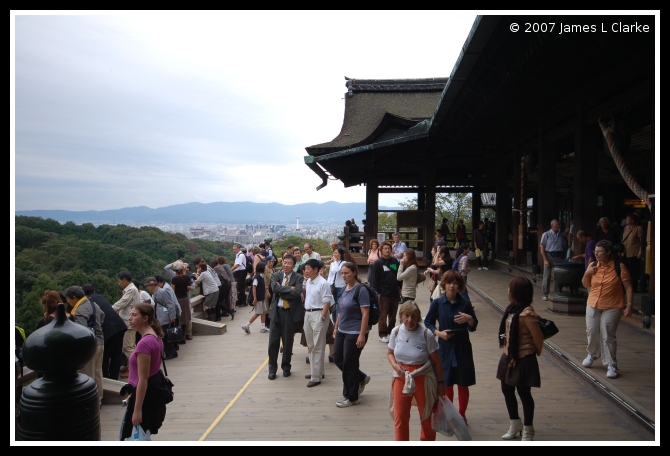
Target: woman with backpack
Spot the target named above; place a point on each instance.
(351, 334)
(611, 289)
(407, 274)
(456, 319)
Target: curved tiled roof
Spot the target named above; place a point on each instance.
(373, 104)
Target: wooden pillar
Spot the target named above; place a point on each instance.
(585, 183)
(503, 213)
(517, 244)
(651, 237)
(421, 198)
(476, 209)
(429, 216)
(371, 211)
(546, 186)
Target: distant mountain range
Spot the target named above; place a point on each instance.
(239, 212)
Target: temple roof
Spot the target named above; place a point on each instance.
(381, 109)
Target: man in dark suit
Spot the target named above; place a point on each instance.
(286, 315)
(113, 329)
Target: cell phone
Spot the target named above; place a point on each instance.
(456, 330)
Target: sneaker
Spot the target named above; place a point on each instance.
(384, 339)
(245, 328)
(485, 268)
(264, 329)
(588, 361)
(612, 371)
(361, 386)
(344, 402)
(545, 298)
(479, 269)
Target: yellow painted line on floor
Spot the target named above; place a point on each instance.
(230, 404)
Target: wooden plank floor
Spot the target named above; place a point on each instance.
(228, 373)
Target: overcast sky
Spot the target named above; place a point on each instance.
(126, 109)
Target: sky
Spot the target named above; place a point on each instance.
(122, 109)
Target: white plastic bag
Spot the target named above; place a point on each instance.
(139, 435)
(455, 420)
(439, 422)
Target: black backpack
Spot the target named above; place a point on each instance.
(373, 317)
(250, 265)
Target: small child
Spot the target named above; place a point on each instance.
(258, 293)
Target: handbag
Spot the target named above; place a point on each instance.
(547, 327)
(478, 253)
(420, 278)
(173, 335)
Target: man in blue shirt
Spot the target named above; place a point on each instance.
(552, 246)
(399, 247)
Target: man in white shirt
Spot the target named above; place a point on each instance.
(240, 273)
(131, 296)
(317, 304)
(310, 254)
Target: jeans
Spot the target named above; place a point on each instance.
(336, 297)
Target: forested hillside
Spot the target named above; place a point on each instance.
(54, 256)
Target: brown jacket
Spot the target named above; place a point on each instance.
(530, 334)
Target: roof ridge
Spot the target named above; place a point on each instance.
(395, 85)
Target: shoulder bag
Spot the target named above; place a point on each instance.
(547, 327)
(420, 277)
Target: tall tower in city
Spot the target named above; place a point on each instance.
(297, 222)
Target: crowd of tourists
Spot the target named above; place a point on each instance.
(328, 304)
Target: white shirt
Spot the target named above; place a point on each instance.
(144, 296)
(241, 260)
(334, 276)
(412, 347)
(317, 293)
(311, 256)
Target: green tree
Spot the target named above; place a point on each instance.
(452, 206)
(31, 310)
